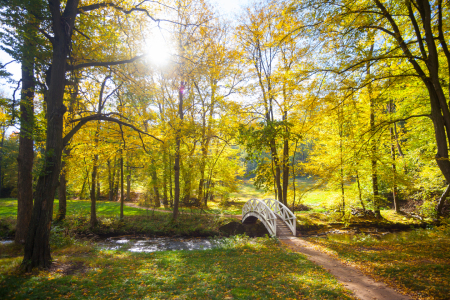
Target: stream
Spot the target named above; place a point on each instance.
(156, 244)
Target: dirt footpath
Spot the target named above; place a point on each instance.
(362, 286)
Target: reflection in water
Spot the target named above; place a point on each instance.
(156, 244)
(6, 242)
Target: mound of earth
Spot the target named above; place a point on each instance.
(252, 230)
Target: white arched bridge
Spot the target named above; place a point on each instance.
(276, 217)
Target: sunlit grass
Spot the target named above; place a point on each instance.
(257, 270)
(417, 261)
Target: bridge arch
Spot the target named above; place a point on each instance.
(269, 212)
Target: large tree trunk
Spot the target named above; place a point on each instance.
(26, 152)
(37, 246)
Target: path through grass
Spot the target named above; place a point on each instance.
(417, 261)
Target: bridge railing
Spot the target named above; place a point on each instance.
(283, 212)
(261, 208)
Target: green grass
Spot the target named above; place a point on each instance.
(247, 270)
(417, 261)
(136, 221)
(8, 208)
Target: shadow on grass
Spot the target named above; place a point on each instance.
(249, 272)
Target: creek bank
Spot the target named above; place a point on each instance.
(236, 227)
(359, 227)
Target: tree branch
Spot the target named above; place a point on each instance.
(104, 64)
(97, 117)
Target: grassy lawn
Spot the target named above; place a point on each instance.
(8, 208)
(244, 270)
(417, 261)
(136, 220)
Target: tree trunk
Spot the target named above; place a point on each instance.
(285, 163)
(26, 152)
(165, 200)
(176, 166)
(128, 187)
(121, 186)
(98, 183)
(1, 160)
(359, 191)
(62, 206)
(37, 246)
(156, 200)
(394, 167)
(170, 182)
(376, 205)
(442, 200)
(93, 221)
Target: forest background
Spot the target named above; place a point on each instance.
(175, 101)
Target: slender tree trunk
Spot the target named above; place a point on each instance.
(26, 152)
(165, 200)
(1, 160)
(129, 187)
(394, 167)
(293, 174)
(121, 186)
(442, 200)
(376, 205)
(82, 189)
(176, 167)
(170, 182)
(62, 206)
(359, 191)
(98, 183)
(93, 221)
(157, 201)
(285, 164)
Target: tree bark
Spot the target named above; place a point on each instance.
(37, 246)
(121, 186)
(176, 167)
(394, 167)
(156, 200)
(26, 152)
(129, 187)
(93, 222)
(285, 163)
(1, 159)
(62, 206)
(442, 200)
(376, 205)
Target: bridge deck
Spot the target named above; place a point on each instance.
(282, 229)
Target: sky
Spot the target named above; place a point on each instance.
(227, 8)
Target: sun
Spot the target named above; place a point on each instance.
(158, 50)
